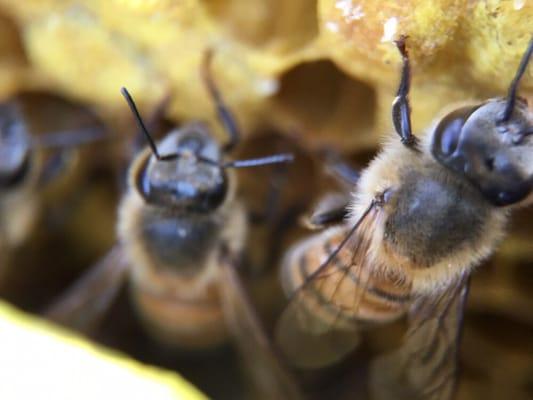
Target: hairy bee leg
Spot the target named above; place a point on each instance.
(329, 217)
(331, 209)
(401, 110)
(224, 114)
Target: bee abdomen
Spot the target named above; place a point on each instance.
(185, 323)
(349, 292)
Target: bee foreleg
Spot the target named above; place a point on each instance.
(333, 216)
(332, 209)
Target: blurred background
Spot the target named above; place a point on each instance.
(300, 76)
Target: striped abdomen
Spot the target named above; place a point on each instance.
(351, 289)
(181, 312)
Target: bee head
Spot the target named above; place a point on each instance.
(496, 157)
(185, 180)
(186, 171)
(14, 147)
(491, 145)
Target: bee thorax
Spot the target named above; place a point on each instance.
(439, 227)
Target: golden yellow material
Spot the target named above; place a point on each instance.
(88, 49)
(39, 359)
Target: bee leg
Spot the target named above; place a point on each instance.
(330, 217)
(332, 209)
(273, 198)
(401, 110)
(224, 114)
(266, 370)
(275, 217)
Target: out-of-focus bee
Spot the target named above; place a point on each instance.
(39, 134)
(181, 231)
(421, 217)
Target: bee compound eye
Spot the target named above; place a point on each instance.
(506, 198)
(448, 131)
(210, 199)
(15, 175)
(385, 196)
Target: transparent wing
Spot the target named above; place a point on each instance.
(319, 325)
(305, 349)
(85, 303)
(425, 366)
(270, 376)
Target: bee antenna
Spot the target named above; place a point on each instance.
(511, 96)
(140, 122)
(252, 162)
(258, 162)
(224, 114)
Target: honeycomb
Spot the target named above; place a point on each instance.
(324, 74)
(325, 69)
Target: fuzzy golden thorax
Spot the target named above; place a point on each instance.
(435, 226)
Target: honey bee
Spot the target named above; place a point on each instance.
(180, 229)
(38, 136)
(421, 217)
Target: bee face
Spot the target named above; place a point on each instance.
(185, 182)
(494, 156)
(14, 148)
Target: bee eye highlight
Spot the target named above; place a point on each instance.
(450, 136)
